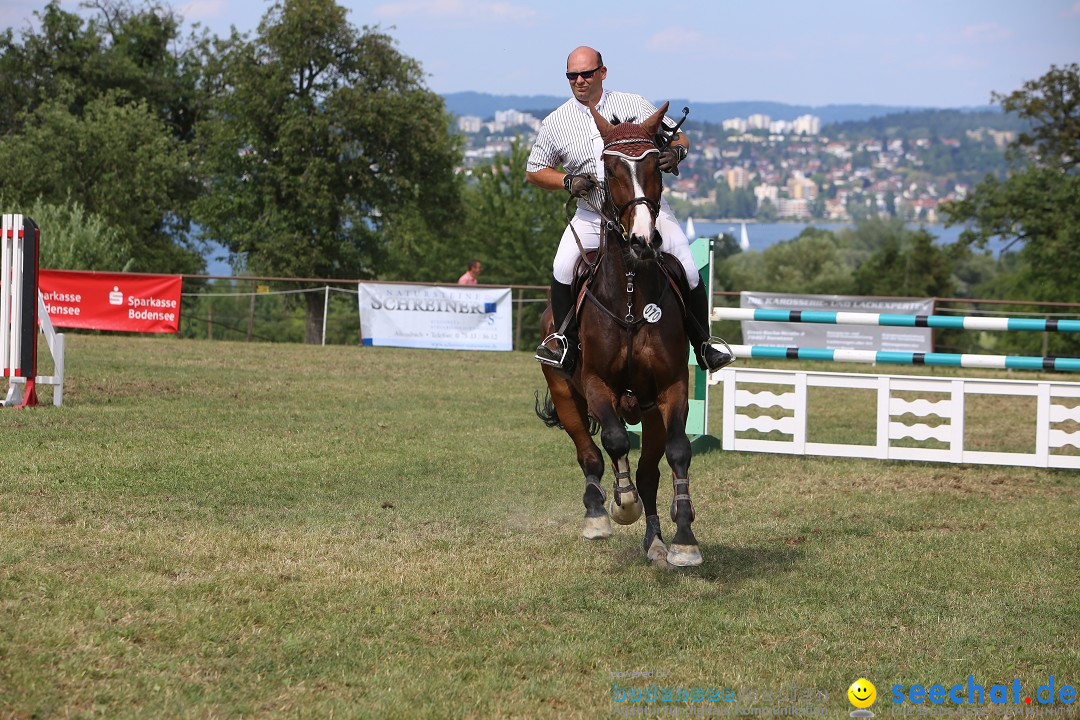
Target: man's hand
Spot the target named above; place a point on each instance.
(579, 185)
(670, 157)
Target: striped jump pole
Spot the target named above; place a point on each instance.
(998, 362)
(890, 320)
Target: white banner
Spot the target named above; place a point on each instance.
(428, 316)
(837, 337)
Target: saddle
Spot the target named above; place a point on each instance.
(669, 265)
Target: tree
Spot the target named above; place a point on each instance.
(118, 161)
(1037, 206)
(96, 114)
(135, 54)
(912, 266)
(513, 226)
(322, 138)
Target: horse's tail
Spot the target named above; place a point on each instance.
(550, 416)
(629, 410)
(547, 413)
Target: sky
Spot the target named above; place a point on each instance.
(923, 53)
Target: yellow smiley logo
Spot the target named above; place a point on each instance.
(862, 693)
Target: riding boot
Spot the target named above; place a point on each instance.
(560, 349)
(698, 331)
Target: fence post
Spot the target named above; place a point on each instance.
(251, 313)
(517, 325)
(325, 310)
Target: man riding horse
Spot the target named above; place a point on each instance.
(569, 138)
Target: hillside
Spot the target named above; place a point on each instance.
(484, 105)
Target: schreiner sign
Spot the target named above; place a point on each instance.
(837, 337)
(112, 301)
(429, 316)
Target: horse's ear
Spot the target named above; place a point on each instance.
(601, 122)
(652, 125)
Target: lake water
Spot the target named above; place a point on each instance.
(762, 235)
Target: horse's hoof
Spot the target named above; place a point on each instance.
(597, 528)
(684, 555)
(657, 553)
(627, 513)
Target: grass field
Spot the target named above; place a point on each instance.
(255, 530)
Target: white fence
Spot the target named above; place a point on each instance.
(925, 397)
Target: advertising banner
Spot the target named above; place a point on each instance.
(836, 337)
(112, 301)
(428, 316)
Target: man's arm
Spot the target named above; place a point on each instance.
(546, 178)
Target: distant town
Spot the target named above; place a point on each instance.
(759, 167)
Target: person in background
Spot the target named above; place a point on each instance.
(568, 139)
(469, 276)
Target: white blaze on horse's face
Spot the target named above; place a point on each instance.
(641, 219)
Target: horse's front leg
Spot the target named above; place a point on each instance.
(574, 417)
(653, 444)
(625, 502)
(684, 550)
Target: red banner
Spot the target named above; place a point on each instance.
(112, 301)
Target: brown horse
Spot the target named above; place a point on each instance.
(634, 350)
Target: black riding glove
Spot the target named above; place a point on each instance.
(579, 185)
(670, 157)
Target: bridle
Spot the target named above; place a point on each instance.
(613, 223)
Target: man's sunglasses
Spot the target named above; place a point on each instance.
(587, 74)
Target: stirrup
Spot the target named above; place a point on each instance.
(717, 340)
(562, 347)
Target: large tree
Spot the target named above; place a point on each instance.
(96, 112)
(322, 138)
(1037, 207)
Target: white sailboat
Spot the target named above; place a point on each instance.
(744, 239)
(691, 234)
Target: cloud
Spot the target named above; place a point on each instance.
(456, 9)
(986, 32)
(676, 39)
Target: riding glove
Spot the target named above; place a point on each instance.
(670, 157)
(579, 185)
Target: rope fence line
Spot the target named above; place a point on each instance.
(285, 322)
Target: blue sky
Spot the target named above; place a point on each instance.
(937, 53)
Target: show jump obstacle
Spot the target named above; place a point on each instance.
(22, 311)
(768, 410)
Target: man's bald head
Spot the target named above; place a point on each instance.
(584, 55)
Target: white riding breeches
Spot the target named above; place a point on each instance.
(587, 225)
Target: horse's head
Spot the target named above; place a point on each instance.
(632, 176)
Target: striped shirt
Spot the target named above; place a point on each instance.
(568, 136)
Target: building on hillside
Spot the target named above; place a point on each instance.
(801, 188)
(737, 177)
(793, 208)
(734, 124)
(806, 125)
(766, 192)
(470, 124)
(758, 122)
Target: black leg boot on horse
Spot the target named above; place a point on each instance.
(697, 330)
(560, 349)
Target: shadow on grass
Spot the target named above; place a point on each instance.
(729, 566)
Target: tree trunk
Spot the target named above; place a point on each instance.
(313, 325)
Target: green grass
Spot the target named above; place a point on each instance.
(228, 529)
